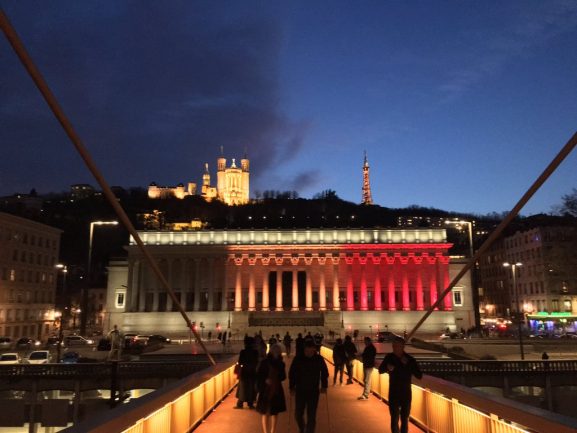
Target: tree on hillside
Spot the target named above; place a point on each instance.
(568, 204)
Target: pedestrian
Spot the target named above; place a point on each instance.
(223, 341)
(115, 338)
(260, 347)
(299, 345)
(305, 375)
(351, 352)
(271, 400)
(209, 335)
(401, 367)
(287, 340)
(247, 361)
(368, 356)
(545, 356)
(339, 359)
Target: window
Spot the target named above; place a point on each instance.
(458, 298)
(120, 298)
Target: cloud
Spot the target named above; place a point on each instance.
(305, 180)
(153, 91)
(534, 25)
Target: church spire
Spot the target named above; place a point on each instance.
(367, 196)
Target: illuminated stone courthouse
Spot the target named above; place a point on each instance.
(320, 279)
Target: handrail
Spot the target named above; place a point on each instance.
(192, 399)
(441, 406)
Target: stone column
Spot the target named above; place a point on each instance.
(309, 292)
(391, 283)
(377, 285)
(133, 292)
(419, 283)
(238, 289)
(336, 285)
(196, 284)
(210, 306)
(295, 292)
(432, 261)
(322, 288)
(405, 283)
(170, 280)
(350, 287)
(265, 289)
(364, 296)
(224, 303)
(251, 290)
(279, 306)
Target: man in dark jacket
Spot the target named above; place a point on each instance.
(305, 375)
(368, 356)
(401, 367)
(351, 352)
(299, 345)
(339, 359)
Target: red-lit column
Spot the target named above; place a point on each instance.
(377, 286)
(336, 285)
(251, 290)
(391, 283)
(404, 261)
(309, 292)
(322, 284)
(279, 306)
(419, 283)
(445, 278)
(295, 291)
(350, 287)
(364, 296)
(432, 261)
(238, 287)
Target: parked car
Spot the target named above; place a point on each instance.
(27, 343)
(39, 357)
(5, 343)
(129, 339)
(159, 338)
(570, 335)
(77, 340)
(140, 340)
(386, 336)
(451, 336)
(51, 342)
(70, 358)
(10, 358)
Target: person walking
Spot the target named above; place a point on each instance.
(305, 375)
(339, 359)
(287, 340)
(401, 367)
(247, 361)
(351, 352)
(368, 356)
(115, 338)
(271, 400)
(299, 345)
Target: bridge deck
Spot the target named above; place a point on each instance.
(346, 414)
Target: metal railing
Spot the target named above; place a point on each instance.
(179, 407)
(482, 367)
(440, 406)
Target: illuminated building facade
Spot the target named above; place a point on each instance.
(232, 184)
(28, 254)
(329, 278)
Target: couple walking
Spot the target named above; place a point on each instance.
(305, 375)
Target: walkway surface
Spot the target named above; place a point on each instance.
(339, 411)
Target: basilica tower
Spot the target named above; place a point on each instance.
(367, 196)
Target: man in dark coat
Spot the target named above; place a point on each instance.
(351, 352)
(299, 345)
(287, 340)
(248, 362)
(401, 367)
(368, 357)
(305, 375)
(339, 359)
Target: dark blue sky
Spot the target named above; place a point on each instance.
(460, 105)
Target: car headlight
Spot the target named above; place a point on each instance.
(90, 341)
(37, 343)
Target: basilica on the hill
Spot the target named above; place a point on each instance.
(232, 184)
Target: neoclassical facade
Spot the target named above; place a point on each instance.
(334, 277)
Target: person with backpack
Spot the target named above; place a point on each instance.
(306, 373)
(351, 352)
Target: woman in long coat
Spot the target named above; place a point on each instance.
(271, 400)
(248, 362)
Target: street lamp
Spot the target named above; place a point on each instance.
(475, 291)
(64, 269)
(514, 267)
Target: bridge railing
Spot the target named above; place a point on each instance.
(178, 407)
(481, 367)
(444, 407)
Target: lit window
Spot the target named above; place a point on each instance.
(457, 298)
(12, 275)
(120, 298)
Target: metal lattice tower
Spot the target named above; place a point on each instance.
(367, 197)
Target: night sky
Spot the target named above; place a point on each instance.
(459, 104)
